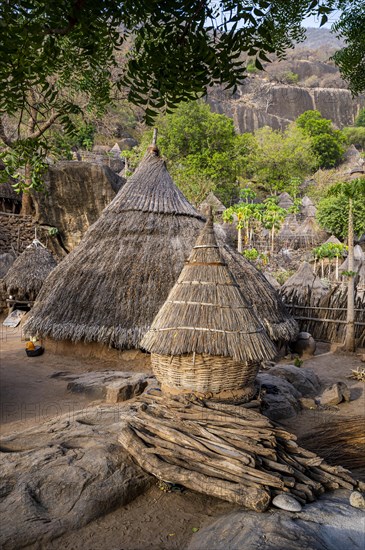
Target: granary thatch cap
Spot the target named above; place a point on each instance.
(206, 313)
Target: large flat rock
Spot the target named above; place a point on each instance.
(63, 474)
(110, 385)
(328, 524)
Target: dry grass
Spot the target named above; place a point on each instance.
(340, 442)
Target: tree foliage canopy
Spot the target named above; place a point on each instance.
(328, 144)
(179, 48)
(333, 210)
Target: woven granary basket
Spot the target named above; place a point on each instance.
(207, 375)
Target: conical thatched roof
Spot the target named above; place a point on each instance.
(308, 210)
(285, 201)
(309, 232)
(358, 260)
(6, 261)
(206, 313)
(110, 287)
(333, 240)
(304, 287)
(29, 271)
(212, 201)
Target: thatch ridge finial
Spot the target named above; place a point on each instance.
(153, 147)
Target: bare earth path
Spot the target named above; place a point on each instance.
(155, 520)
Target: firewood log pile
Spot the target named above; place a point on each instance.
(227, 451)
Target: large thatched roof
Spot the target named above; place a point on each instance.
(206, 312)
(110, 287)
(6, 261)
(29, 271)
(304, 287)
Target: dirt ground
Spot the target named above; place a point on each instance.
(156, 520)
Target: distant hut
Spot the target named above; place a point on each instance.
(309, 233)
(331, 326)
(6, 261)
(110, 287)
(10, 201)
(358, 261)
(206, 337)
(286, 236)
(285, 201)
(307, 210)
(332, 240)
(211, 201)
(27, 274)
(304, 287)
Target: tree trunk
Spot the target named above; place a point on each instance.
(239, 240)
(336, 268)
(350, 321)
(322, 269)
(27, 199)
(272, 238)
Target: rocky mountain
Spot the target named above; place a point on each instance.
(306, 79)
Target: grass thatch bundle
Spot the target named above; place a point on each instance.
(110, 287)
(209, 325)
(340, 441)
(29, 271)
(304, 287)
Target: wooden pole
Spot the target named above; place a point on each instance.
(349, 344)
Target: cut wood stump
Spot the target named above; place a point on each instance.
(227, 451)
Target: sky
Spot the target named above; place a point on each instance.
(314, 21)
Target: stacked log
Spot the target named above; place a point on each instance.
(227, 451)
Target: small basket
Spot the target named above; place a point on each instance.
(38, 350)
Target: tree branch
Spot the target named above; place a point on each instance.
(44, 126)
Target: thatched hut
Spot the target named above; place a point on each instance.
(285, 201)
(307, 209)
(27, 274)
(206, 337)
(303, 288)
(309, 233)
(10, 201)
(110, 287)
(332, 240)
(359, 259)
(331, 324)
(211, 201)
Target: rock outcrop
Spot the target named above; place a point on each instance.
(261, 103)
(76, 194)
(61, 475)
(328, 524)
